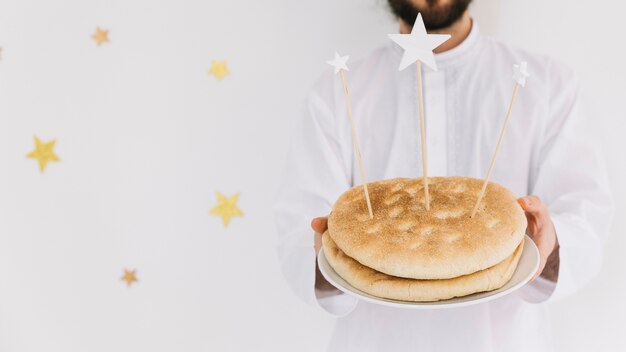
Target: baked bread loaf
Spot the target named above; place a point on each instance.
(406, 241)
(378, 284)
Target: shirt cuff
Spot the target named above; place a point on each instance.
(538, 291)
(337, 304)
(579, 262)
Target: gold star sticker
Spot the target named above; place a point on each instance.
(226, 208)
(219, 69)
(44, 153)
(101, 36)
(129, 276)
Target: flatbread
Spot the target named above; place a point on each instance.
(382, 285)
(405, 240)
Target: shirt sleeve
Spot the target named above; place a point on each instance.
(570, 177)
(315, 176)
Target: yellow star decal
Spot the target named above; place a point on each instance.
(129, 276)
(219, 69)
(44, 153)
(101, 36)
(226, 208)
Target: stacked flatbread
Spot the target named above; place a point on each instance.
(410, 254)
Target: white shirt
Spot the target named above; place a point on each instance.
(543, 153)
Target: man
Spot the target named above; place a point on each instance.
(543, 154)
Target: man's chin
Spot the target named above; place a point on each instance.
(436, 14)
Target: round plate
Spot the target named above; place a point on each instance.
(526, 268)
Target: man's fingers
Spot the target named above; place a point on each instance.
(536, 213)
(320, 224)
(531, 204)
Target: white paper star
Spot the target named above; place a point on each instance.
(520, 73)
(339, 62)
(418, 45)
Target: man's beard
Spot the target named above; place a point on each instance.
(435, 16)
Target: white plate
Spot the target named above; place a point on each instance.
(526, 268)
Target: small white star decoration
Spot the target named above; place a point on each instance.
(339, 62)
(520, 73)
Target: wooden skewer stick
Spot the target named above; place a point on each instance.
(423, 134)
(495, 154)
(356, 142)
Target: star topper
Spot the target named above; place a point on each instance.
(339, 62)
(418, 45)
(520, 73)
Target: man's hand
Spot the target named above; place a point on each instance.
(541, 230)
(319, 225)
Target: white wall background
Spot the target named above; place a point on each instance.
(147, 137)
